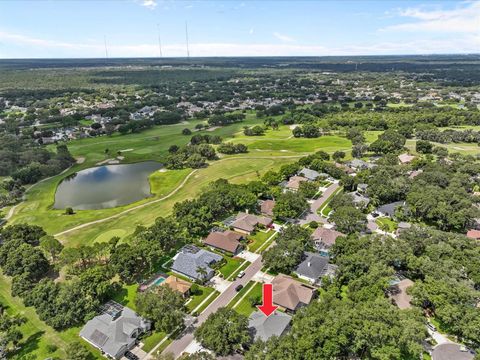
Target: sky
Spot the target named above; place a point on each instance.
(132, 28)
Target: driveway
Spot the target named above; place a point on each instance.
(439, 338)
(178, 346)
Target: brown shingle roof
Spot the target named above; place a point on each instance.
(177, 284)
(267, 207)
(248, 222)
(326, 236)
(294, 182)
(228, 240)
(289, 293)
(473, 234)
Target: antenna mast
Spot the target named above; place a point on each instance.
(186, 36)
(105, 41)
(159, 41)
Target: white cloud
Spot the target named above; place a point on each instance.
(283, 37)
(25, 46)
(465, 18)
(150, 4)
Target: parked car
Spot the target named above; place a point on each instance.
(131, 356)
(241, 274)
(239, 287)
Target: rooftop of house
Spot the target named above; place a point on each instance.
(111, 332)
(405, 158)
(290, 293)
(248, 222)
(389, 209)
(266, 207)
(294, 182)
(473, 234)
(189, 262)
(309, 174)
(359, 199)
(264, 327)
(227, 240)
(177, 284)
(451, 351)
(399, 293)
(326, 236)
(313, 266)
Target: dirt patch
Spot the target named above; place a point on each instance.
(213, 128)
(80, 160)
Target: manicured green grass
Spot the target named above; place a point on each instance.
(258, 239)
(325, 209)
(208, 302)
(392, 225)
(127, 295)
(239, 295)
(244, 307)
(244, 265)
(151, 341)
(231, 266)
(197, 299)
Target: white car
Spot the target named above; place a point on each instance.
(241, 274)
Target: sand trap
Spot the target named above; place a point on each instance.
(104, 162)
(213, 128)
(114, 162)
(293, 127)
(283, 150)
(126, 150)
(120, 157)
(163, 170)
(80, 160)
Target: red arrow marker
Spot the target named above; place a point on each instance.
(267, 307)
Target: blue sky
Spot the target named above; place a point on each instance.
(64, 28)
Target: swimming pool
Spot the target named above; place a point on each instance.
(158, 281)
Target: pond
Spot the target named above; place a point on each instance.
(105, 186)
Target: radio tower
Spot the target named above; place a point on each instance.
(186, 36)
(105, 42)
(159, 41)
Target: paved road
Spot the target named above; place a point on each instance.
(178, 346)
(317, 204)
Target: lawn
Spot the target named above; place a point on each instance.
(198, 298)
(325, 209)
(210, 300)
(258, 240)
(385, 221)
(244, 265)
(239, 295)
(231, 266)
(127, 295)
(152, 340)
(244, 307)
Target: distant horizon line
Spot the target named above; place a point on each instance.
(239, 56)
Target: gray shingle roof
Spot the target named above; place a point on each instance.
(309, 174)
(313, 267)
(113, 335)
(189, 263)
(389, 209)
(264, 327)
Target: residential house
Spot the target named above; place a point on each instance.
(473, 234)
(178, 285)
(398, 293)
(389, 209)
(402, 226)
(359, 164)
(195, 263)
(362, 188)
(405, 158)
(115, 331)
(452, 351)
(290, 294)
(414, 173)
(266, 207)
(293, 183)
(324, 239)
(309, 174)
(348, 170)
(264, 327)
(227, 241)
(247, 223)
(314, 267)
(360, 201)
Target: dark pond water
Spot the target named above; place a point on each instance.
(105, 186)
